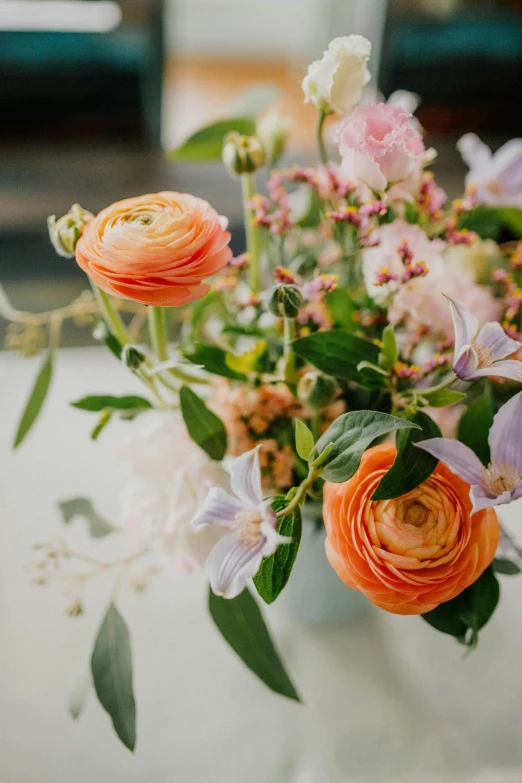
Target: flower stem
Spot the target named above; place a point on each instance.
(320, 140)
(110, 315)
(251, 232)
(288, 354)
(300, 495)
(444, 385)
(158, 332)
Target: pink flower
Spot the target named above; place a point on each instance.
(379, 145)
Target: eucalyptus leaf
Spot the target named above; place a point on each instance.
(82, 507)
(36, 400)
(111, 668)
(242, 625)
(338, 353)
(207, 143)
(213, 359)
(304, 440)
(350, 435)
(506, 567)
(412, 466)
(275, 570)
(98, 402)
(204, 427)
(442, 397)
(475, 425)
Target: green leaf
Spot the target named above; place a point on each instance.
(246, 362)
(111, 667)
(341, 307)
(103, 421)
(204, 427)
(82, 507)
(475, 425)
(390, 351)
(442, 397)
(350, 436)
(411, 212)
(242, 625)
(412, 466)
(338, 353)
(113, 344)
(275, 570)
(207, 143)
(506, 567)
(489, 222)
(468, 612)
(78, 697)
(36, 400)
(304, 440)
(98, 402)
(213, 359)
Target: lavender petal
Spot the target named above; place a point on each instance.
(465, 325)
(466, 363)
(482, 499)
(507, 165)
(245, 478)
(456, 456)
(507, 368)
(219, 508)
(494, 337)
(475, 154)
(231, 564)
(505, 435)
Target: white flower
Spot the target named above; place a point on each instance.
(494, 178)
(335, 82)
(250, 526)
(171, 479)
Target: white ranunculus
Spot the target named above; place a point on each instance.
(171, 477)
(335, 82)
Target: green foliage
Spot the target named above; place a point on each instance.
(349, 436)
(111, 668)
(390, 352)
(275, 570)
(490, 222)
(304, 440)
(464, 616)
(207, 143)
(505, 567)
(35, 401)
(339, 353)
(213, 359)
(341, 307)
(412, 466)
(204, 427)
(242, 625)
(82, 507)
(442, 397)
(99, 402)
(474, 427)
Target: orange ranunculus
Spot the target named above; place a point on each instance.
(155, 249)
(410, 554)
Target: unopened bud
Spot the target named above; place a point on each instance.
(285, 301)
(132, 357)
(65, 232)
(272, 132)
(242, 154)
(316, 390)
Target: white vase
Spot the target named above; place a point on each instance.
(314, 594)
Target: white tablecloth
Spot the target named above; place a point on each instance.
(386, 698)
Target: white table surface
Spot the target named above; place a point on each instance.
(387, 698)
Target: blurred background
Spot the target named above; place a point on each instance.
(94, 91)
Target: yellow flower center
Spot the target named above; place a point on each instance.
(248, 527)
(415, 514)
(483, 353)
(499, 478)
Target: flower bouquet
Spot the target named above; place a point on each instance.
(363, 353)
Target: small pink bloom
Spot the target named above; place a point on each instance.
(379, 145)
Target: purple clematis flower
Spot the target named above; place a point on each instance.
(251, 522)
(501, 481)
(496, 178)
(481, 352)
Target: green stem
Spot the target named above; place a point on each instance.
(300, 495)
(288, 354)
(110, 315)
(444, 385)
(251, 232)
(320, 140)
(158, 332)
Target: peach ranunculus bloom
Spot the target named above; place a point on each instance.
(156, 249)
(410, 554)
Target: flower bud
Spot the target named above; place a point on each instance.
(132, 357)
(65, 232)
(316, 390)
(285, 301)
(272, 132)
(242, 154)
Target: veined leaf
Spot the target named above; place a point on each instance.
(82, 507)
(213, 359)
(349, 436)
(338, 353)
(36, 400)
(111, 667)
(412, 466)
(275, 570)
(442, 397)
(204, 427)
(304, 440)
(242, 625)
(98, 402)
(207, 143)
